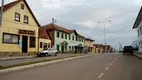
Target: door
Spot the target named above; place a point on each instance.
(24, 44)
(62, 49)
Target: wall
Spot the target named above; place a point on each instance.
(140, 38)
(88, 43)
(44, 41)
(9, 25)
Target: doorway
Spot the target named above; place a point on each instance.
(62, 49)
(24, 44)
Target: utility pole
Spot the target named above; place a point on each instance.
(1, 14)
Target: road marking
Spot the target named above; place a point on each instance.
(110, 64)
(113, 61)
(107, 68)
(101, 75)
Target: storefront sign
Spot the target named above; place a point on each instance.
(27, 32)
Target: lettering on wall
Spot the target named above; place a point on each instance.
(27, 32)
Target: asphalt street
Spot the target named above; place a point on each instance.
(96, 67)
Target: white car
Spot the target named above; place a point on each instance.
(48, 52)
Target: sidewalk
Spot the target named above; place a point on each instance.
(17, 57)
(138, 55)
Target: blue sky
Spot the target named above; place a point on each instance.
(84, 15)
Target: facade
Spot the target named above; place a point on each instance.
(138, 25)
(99, 48)
(44, 39)
(65, 40)
(88, 45)
(19, 29)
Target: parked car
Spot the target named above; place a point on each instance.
(48, 52)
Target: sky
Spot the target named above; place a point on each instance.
(84, 15)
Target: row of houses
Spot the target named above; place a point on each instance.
(22, 33)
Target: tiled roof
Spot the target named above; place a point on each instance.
(89, 39)
(56, 27)
(60, 28)
(10, 5)
(43, 33)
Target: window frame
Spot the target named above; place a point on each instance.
(58, 34)
(66, 36)
(11, 35)
(58, 47)
(48, 45)
(73, 38)
(26, 17)
(32, 46)
(41, 44)
(15, 18)
(62, 35)
(69, 37)
(22, 6)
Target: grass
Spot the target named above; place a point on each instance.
(28, 63)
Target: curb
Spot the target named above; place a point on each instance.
(137, 56)
(39, 64)
(17, 58)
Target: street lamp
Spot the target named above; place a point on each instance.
(105, 32)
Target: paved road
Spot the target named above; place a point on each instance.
(17, 61)
(98, 67)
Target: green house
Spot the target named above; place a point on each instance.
(65, 40)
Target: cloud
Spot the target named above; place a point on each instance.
(88, 23)
(84, 15)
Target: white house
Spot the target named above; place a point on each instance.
(138, 25)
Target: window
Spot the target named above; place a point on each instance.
(65, 36)
(82, 39)
(69, 48)
(72, 48)
(10, 38)
(79, 39)
(45, 46)
(32, 42)
(58, 34)
(69, 36)
(26, 19)
(76, 38)
(138, 33)
(48, 45)
(62, 35)
(72, 37)
(22, 6)
(41, 44)
(58, 47)
(17, 17)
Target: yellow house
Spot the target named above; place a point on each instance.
(98, 48)
(88, 45)
(19, 29)
(44, 39)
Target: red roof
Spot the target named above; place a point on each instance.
(56, 27)
(59, 28)
(10, 5)
(43, 34)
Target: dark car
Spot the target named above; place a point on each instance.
(128, 50)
